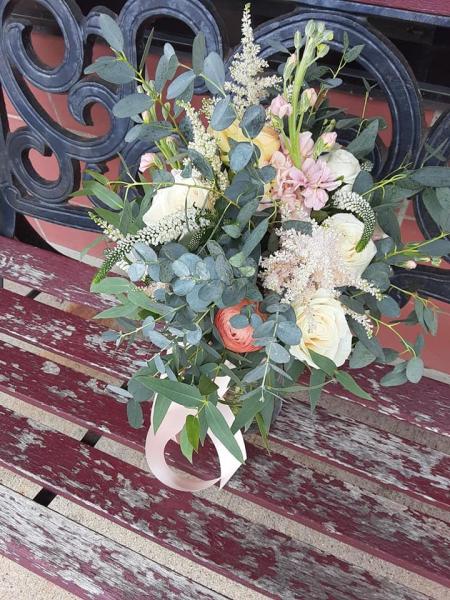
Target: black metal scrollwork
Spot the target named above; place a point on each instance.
(23, 189)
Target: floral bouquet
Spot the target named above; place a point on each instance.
(256, 248)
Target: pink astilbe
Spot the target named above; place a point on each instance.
(314, 179)
(291, 202)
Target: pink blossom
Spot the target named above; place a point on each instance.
(328, 139)
(280, 107)
(306, 144)
(314, 180)
(311, 96)
(147, 160)
(284, 189)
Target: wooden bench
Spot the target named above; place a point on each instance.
(351, 504)
(345, 507)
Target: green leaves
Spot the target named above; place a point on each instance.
(223, 115)
(316, 381)
(253, 120)
(214, 73)
(435, 177)
(106, 195)
(111, 32)
(198, 53)
(323, 363)
(218, 425)
(132, 105)
(414, 369)
(135, 414)
(181, 393)
(201, 164)
(180, 84)
(111, 285)
(348, 383)
(255, 237)
(112, 69)
(240, 156)
(364, 143)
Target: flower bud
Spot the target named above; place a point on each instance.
(147, 160)
(280, 107)
(328, 139)
(410, 265)
(308, 99)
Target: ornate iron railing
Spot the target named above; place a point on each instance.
(23, 190)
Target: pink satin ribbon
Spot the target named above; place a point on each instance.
(170, 428)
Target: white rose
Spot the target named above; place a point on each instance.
(343, 164)
(324, 330)
(352, 229)
(183, 194)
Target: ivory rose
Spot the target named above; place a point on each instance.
(324, 330)
(343, 164)
(236, 340)
(268, 141)
(351, 230)
(183, 194)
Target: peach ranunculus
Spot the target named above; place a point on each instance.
(268, 141)
(234, 339)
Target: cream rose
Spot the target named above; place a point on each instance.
(324, 330)
(351, 230)
(343, 164)
(183, 194)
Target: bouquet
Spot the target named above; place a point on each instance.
(256, 248)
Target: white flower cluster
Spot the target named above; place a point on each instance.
(248, 86)
(167, 229)
(305, 264)
(205, 143)
(353, 202)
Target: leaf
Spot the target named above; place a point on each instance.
(436, 248)
(111, 285)
(352, 53)
(414, 369)
(253, 120)
(317, 378)
(252, 405)
(435, 177)
(214, 72)
(223, 115)
(193, 430)
(181, 393)
(361, 357)
(136, 271)
(111, 32)
(201, 164)
(255, 237)
(116, 311)
(364, 143)
(389, 307)
(180, 84)
(323, 363)
(395, 377)
(185, 444)
(198, 52)
(135, 414)
(158, 339)
(132, 105)
(106, 195)
(112, 70)
(140, 299)
(218, 425)
(302, 226)
(289, 333)
(240, 156)
(378, 273)
(161, 405)
(348, 383)
(278, 353)
(247, 211)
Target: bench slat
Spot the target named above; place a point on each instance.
(67, 335)
(424, 405)
(49, 272)
(247, 552)
(278, 483)
(372, 454)
(81, 561)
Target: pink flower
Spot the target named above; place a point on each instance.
(306, 144)
(280, 107)
(328, 139)
(147, 160)
(310, 96)
(314, 180)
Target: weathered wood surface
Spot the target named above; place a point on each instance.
(372, 454)
(81, 561)
(424, 405)
(49, 272)
(68, 335)
(246, 552)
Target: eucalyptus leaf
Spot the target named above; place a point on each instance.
(253, 120)
(111, 32)
(218, 425)
(132, 105)
(214, 73)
